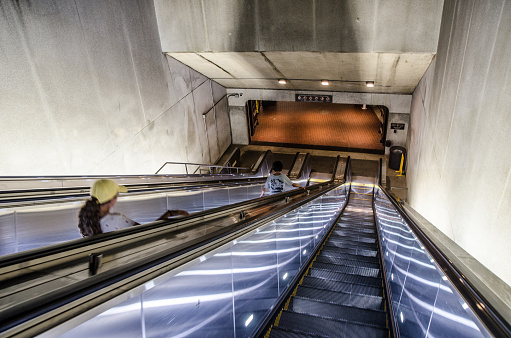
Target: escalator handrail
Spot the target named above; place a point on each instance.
(388, 300)
(488, 315)
(44, 195)
(304, 165)
(87, 290)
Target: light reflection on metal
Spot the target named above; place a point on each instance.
(395, 253)
(442, 313)
(422, 280)
(249, 320)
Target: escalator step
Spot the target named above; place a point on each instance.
(341, 298)
(352, 270)
(338, 243)
(343, 277)
(327, 328)
(345, 261)
(333, 311)
(369, 232)
(353, 251)
(330, 285)
(355, 224)
(352, 239)
(334, 256)
(277, 332)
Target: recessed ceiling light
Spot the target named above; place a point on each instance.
(370, 83)
(282, 81)
(324, 82)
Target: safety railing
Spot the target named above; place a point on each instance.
(199, 168)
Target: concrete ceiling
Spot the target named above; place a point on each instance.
(253, 43)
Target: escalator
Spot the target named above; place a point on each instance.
(330, 264)
(342, 292)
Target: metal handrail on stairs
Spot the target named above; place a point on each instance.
(201, 165)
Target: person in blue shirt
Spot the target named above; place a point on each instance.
(275, 182)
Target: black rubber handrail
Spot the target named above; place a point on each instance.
(495, 323)
(393, 327)
(15, 197)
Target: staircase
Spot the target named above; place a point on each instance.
(341, 294)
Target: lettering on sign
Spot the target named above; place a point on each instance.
(313, 98)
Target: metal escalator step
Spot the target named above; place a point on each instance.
(343, 277)
(277, 332)
(369, 232)
(339, 243)
(330, 285)
(353, 251)
(334, 255)
(355, 224)
(352, 270)
(351, 261)
(342, 230)
(323, 327)
(341, 298)
(334, 311)
(352, 239)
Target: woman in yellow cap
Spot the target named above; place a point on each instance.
(95, 216)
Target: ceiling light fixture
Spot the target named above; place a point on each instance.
(370, 83)
(324, 82)
(282, 81)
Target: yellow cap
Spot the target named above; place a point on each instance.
(106, 190)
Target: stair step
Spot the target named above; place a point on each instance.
(352, 261)
(331, 285)
(346, 278)
(334, 311)
(355, 224)
(353, 251)
(298, 322)
(346, 269)
(343, 231)
(277, 332)
(335, 255)
(339, 243)
(353, 238)
(341, 298)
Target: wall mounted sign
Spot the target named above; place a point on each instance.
(397, 126)
(313, 98)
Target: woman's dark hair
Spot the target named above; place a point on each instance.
(89, 218)
(277, 166)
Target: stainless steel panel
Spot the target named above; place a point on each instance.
(238, 194)
(123, 321)
(142, 208)
(8, 233)
(191, 200)
(37, 227)
(216, 198)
